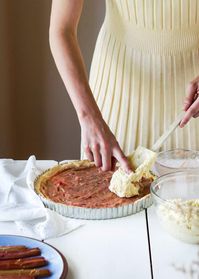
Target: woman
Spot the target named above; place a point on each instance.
(146, 54)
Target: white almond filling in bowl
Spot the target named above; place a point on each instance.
(181, 218)
(176, 200)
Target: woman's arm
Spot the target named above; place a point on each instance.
(99, 143)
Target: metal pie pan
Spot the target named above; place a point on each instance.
(99, 213)
(94, 213)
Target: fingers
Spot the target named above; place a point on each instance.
(101, 155)
(106, 157)
(191, 90)
(101, 147)
(191, 103)
(88, 153)
(97, 155)
(124, 163)
(192, 111)
(93, 154)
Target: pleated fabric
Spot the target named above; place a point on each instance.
(146, 53)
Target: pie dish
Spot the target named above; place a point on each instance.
(79, 189)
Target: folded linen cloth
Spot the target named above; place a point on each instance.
(20, 203)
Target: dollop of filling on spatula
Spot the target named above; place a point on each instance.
(127, 185)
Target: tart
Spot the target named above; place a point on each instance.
(81, 190)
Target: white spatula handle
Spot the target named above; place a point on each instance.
(167, 133)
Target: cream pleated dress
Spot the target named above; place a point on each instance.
(146, 53)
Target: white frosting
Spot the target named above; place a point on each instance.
(127, 185)
(181, 219)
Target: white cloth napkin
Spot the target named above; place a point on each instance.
(20, 203)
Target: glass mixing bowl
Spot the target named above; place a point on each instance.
(176, 160)
(176, 200)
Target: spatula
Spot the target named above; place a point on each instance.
(146, 157)
(168, 132)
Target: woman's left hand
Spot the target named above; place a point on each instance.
(191, 103)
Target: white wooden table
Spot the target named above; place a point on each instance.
(133, 247)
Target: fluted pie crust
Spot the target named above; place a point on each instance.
(81, 184)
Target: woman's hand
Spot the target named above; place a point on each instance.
(191, 103)
(100, 145)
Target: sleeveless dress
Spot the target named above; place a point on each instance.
(146, 53)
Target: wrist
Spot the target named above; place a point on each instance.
(88, 114)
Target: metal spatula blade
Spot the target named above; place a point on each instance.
(168, 132)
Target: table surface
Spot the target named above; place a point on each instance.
(130, 247)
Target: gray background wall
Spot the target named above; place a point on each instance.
(36, 115)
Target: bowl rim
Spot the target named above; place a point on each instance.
(158, 179)
(176, 149)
